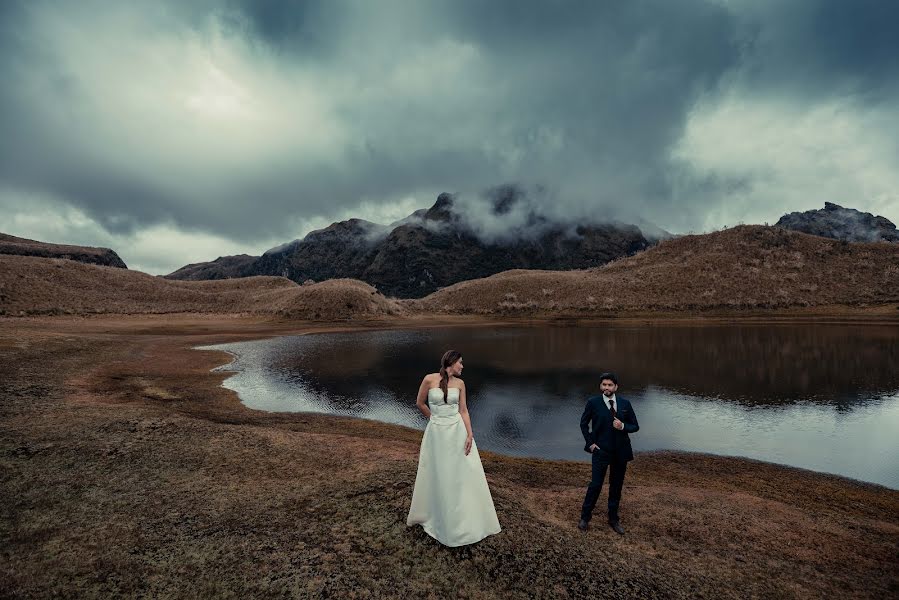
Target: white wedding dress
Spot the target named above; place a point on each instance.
(451, 500)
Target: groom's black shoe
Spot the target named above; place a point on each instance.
(616, 526)
(582, 525)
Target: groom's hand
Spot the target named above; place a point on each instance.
(593, 447)
(617, 424)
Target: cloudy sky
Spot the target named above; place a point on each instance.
(176, 132)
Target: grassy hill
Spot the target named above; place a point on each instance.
(36, 286)
(747, 267)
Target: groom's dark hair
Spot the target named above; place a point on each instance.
(610, 376)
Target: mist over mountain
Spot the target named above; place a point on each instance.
(839, 223)
(456, 239)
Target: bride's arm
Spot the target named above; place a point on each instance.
(422, 400)
(463, 410)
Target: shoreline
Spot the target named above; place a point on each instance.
(131, 471)
(232, 357)
(876, 314)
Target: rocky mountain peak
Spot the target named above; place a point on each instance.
(839, 223)
(442, 210)
(352, 228)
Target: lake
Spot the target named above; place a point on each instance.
(821, 397)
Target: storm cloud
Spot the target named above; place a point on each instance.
(234, 126)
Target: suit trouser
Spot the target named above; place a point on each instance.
(601, 461)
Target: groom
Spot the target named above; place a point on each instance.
(611, 418)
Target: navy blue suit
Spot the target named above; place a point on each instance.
(614, 450)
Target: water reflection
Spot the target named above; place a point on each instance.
(824, 397)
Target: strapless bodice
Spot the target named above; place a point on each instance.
(441, 410)
(435, 396)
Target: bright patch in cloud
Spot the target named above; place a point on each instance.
(768, 157)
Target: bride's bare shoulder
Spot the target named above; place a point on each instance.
(431, 378)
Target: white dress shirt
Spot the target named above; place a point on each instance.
(611, 398)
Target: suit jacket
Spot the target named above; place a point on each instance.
(600, 432)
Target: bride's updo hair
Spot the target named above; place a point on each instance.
(449, 359)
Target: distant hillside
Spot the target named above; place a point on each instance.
(37, 286)
(836, 222)
(96, 256)
(428, 250)
(224, 267)
(747, 267)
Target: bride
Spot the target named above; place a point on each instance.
(451, 500)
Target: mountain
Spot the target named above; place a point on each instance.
(224, 267)
(341, 250)
(96, 256)
(836, 222)
(417, 259)
(430, 249)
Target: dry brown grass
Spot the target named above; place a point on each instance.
(127, 471)
(747, 267)
(38, 286)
